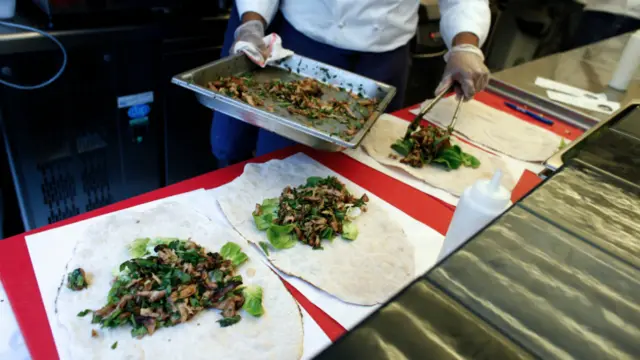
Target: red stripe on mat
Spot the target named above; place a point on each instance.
(20, 282)
(24, 296)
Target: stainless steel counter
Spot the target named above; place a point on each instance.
(555, 277)
(589, 68)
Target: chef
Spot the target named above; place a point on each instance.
(367, 37)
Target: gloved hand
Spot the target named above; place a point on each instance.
(465, 66)
(252, 33)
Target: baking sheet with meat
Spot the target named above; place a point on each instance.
(338, 119)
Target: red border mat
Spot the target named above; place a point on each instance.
(22, 289)
(20, 282)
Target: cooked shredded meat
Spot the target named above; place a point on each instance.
(427, 139)
(171, 288)
(305, 97)
(317, 210)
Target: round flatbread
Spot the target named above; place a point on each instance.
(387, 130)
(275, 335)
(492, 128)
(365, 271)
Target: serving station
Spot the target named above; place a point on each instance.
(554, 277)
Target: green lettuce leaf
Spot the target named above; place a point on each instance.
(450, 157)
(349, 231)
(402, 147)
(232, 251)
(253, 300)
(263, 221)
(453, 157)
(138, 247)
(471, 161)
(268, 212)
(281, 236)
(144, 246)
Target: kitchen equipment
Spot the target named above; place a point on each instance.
(455, 116)
(54, 8)
(416, 121)
(321, 135)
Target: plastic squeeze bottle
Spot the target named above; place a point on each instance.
(479, 204)
(628, 64)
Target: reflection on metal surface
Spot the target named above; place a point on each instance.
(588, 68)
(555, 277)
(553, 293)
(371, 340)
(620, 148)
(586, 203)
(424, 323)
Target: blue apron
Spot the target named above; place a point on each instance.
(233, 140)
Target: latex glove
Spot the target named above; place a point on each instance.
(465, 66)
(251, 32)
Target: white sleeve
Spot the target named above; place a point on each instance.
(458, 16)
(266, 8)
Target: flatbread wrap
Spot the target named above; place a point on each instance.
(276, 334)
(364, 271)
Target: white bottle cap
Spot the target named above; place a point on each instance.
(491, 194)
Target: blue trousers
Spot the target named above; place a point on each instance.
(233, 140)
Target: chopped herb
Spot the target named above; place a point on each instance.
(224, 322)
(114, 346)
(265, 247)
(139, 332)
(84, 313)
(77, 280)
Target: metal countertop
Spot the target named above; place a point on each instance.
(555, 277)
(589, 68)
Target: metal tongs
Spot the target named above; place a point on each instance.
(416, 121)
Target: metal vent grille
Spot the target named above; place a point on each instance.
(58, 189)
(95, 179)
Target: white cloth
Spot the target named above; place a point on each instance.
(273, 42)
(371, 25)
(619, 7)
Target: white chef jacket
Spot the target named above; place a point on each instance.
(619, 7)
(371, 25)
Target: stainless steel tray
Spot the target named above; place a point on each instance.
(320, 135)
